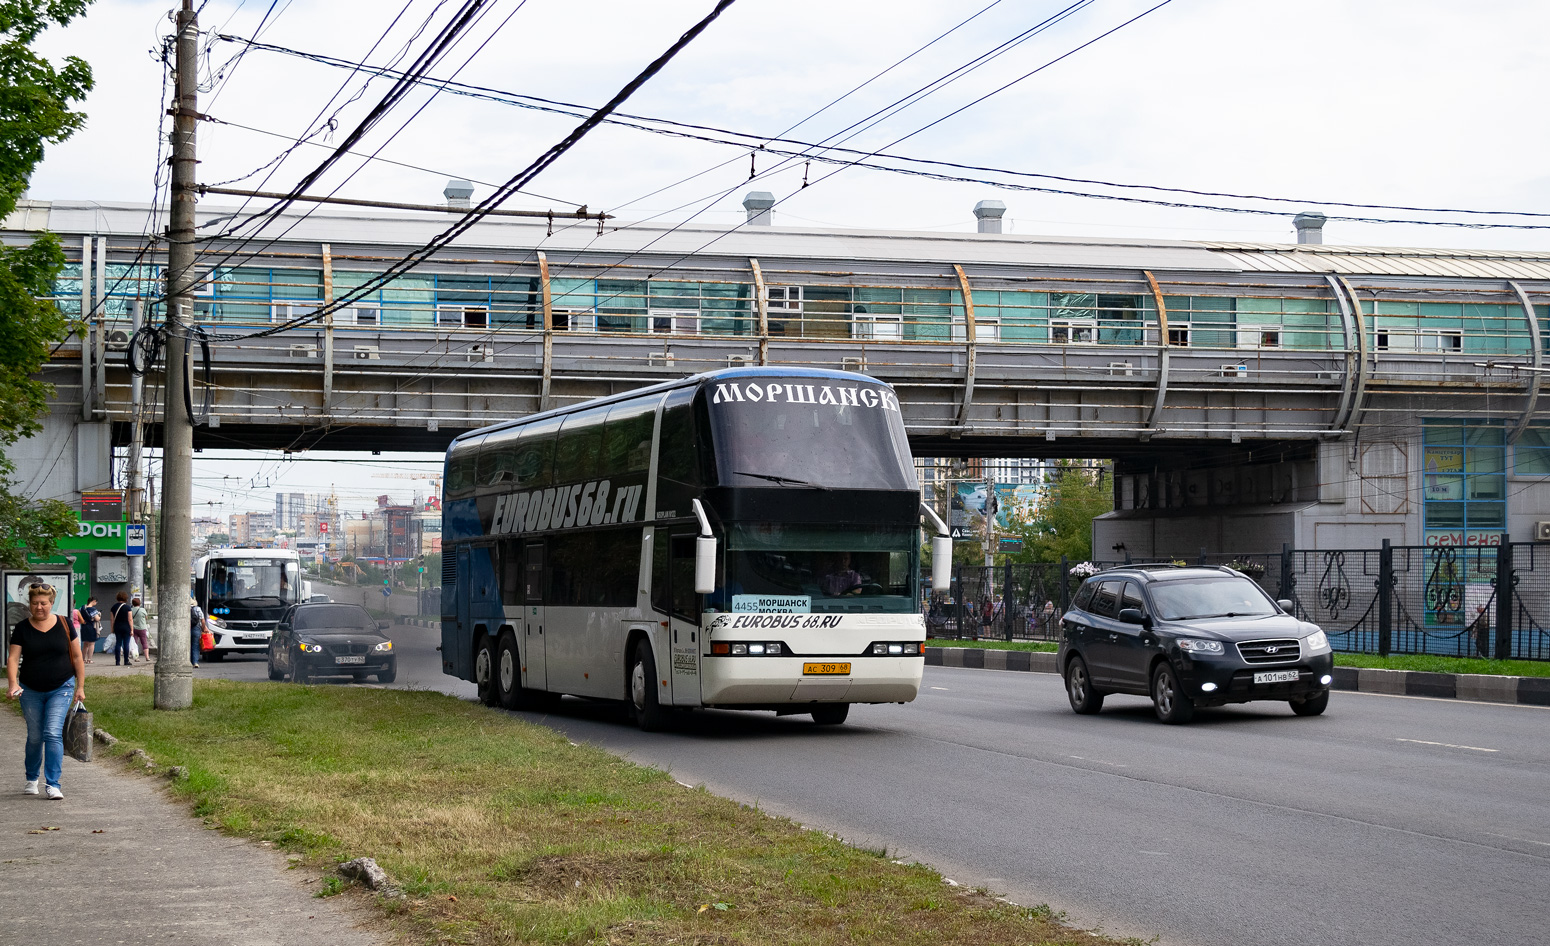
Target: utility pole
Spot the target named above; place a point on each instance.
(174, 675)
(136, 459)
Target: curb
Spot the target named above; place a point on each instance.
(1532, 691)
(420, 622)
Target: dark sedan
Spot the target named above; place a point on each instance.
(331, 640)
(1188, 637)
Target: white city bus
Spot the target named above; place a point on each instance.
(744, 539)
(243, 592)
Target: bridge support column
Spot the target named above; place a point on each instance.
(86, 332)
(1536, 369)
(1162, 355)
(548, 352)
(328, 330)
(969, 335)
(762, 308)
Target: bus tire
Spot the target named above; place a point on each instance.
(831, 714)
(650, 714)
(484, 670)
(508, 672)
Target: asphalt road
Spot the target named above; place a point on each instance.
(1389, 820)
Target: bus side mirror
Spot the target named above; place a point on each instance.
(941, 562)
(704, 564)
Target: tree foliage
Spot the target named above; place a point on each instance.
(35, 100)
(1061, 523)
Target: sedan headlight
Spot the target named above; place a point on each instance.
(385, 645)
(311, 648)
(1316, 643)
(1195, 646)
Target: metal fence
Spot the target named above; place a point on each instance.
(1397, 599)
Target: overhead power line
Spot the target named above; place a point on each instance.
(743, 139)
(507, 190)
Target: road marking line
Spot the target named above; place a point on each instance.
(1446, 745)
(1523, 840)
(939, 688)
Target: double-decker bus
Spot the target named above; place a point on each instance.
(243, 593)
(743, 539)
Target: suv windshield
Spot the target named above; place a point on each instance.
(1186, 599)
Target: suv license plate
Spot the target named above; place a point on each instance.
(362, 659)
(1276, 676)
(810, 669)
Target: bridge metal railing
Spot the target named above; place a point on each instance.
(1481, 601)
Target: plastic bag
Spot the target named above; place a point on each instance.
(206, 642)
(78, 732)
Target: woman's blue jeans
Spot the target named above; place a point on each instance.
(121, 646)
(45, 711)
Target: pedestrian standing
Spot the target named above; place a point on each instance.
(46, 673)
(91, 628)
(141, 622)
(196, 628)
(121, 628)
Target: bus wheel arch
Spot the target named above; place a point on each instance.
(484, 667)
(631, 642)
(650, 714)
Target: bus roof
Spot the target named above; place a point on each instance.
(724, 374)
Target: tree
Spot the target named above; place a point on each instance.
(1061, 523)
(35, 100)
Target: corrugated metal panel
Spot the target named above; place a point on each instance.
(1386, 261)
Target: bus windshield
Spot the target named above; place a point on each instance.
(809, 432)
(819, 568)
(255, 589)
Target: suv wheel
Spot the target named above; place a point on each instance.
(1173, 705)
(1312, 706)
(1085, 700)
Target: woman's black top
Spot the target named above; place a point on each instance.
(45, 655)
(89, 616)
(121, 612)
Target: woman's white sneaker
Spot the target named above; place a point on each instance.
(31, 788)
(54, 794)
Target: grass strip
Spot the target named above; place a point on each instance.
(502, 831)
(1431, 663)
(1044, 647)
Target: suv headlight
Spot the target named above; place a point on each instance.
(1316, 643)
(311, 648)
(385, 645)
(1195, 646)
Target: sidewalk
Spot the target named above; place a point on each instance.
(154, 874)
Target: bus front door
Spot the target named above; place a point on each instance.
(534, 669)
(685, 620)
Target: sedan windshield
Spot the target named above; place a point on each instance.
(343, 617)
(1193, 598)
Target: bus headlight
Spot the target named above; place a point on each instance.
(757, 649)
(902, 649)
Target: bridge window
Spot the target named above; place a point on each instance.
(1073, 331)
(671, 322)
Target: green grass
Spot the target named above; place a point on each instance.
(1048, 647)
(1433, 664)
(501, 831)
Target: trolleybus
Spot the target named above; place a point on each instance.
(743, 539)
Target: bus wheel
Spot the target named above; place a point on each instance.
(508, 672)
(484, 670)
(650, 714)
(831, 714)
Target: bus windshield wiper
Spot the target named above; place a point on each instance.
(782, 480)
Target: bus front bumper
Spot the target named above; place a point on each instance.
(742, 680)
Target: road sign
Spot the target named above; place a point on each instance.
(323, 527)
(134, 540)
(387, 592)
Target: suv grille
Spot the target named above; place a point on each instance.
(343, 650)
(1279, 650)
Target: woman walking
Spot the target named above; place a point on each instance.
(141, 623)
(46, 672)
(121, 628)
(91, 625)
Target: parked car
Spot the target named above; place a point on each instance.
(1189, 637)
(331, 640)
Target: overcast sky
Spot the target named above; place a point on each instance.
(1419, 103)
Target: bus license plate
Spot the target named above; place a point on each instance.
(810, 669)
(1276, 676)
(350, 660)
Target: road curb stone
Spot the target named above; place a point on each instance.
(1484, 688)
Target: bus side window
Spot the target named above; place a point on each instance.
(511, 572)
(686, 604)
(660, 597)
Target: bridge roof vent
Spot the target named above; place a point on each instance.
(758, 204)
(457, 194)
(989, 214)
(1310, 227)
